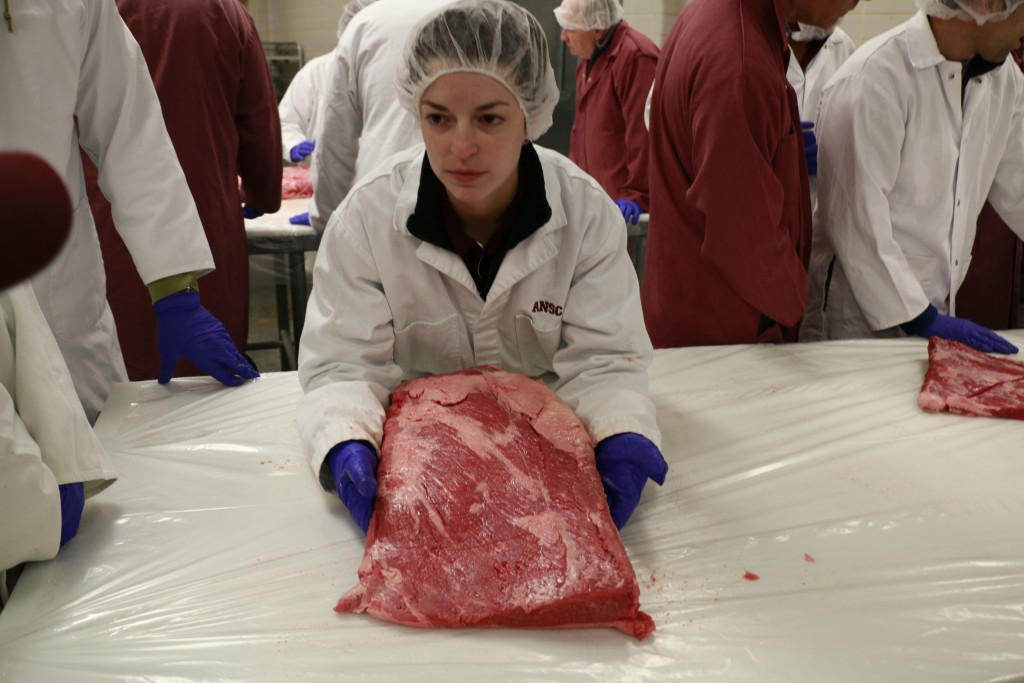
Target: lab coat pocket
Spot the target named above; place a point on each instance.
(429, 348)
(49, 68)
(73, 287)
(537, 345)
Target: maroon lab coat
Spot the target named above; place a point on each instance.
(609, 137)
(730, 230)
(219, 105)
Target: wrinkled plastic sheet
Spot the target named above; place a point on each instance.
(887, 542)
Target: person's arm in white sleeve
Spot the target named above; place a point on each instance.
(29, 499)
(605, 351)
(45, 439)
(122, 129)
(337, 137)
(296, 111)
(346, 357)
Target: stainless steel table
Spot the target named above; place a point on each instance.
(274, 234)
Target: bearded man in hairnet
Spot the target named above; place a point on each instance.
(477, 247)
(615, 73)
(730, 230)
(917, 129)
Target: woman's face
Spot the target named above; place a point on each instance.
(474, 132)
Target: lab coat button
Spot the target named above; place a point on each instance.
(950, 77)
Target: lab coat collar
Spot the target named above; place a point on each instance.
(921, 46)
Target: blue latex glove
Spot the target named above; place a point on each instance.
(250, 212)
(300, 219)
(967, 332)
(625, 463)
(810, 147)
(187, 330)
(301, 150)
(353, 465)
(630, 210)
(72, 502)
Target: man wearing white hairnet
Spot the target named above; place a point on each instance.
(730, 229)
(476, 248)
(616, 69)
(361, 122)
(916, 130)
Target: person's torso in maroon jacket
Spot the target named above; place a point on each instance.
(609, 137)
(730, 228)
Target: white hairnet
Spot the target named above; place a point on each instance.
(496, 38)
(352, 8)
(980, 11)
(588, 15)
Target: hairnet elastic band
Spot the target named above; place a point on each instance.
(469, 70)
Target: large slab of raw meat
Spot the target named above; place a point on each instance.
(965, 381)
(490, 512)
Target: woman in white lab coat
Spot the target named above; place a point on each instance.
(485, 249)
(72, 76)
(909, 153)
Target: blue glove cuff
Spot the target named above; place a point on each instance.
(919, 325)
(185, 300)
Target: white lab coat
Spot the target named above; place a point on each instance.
(68, 58)
(362, 122)
(809, 84)
(387, 307)
(45, 439)
(299, 109)
(903, 175)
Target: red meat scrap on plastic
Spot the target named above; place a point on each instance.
(490, 512)
(966, 381)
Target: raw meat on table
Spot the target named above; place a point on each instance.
(490, 512)
(296, 183)
(965, 381)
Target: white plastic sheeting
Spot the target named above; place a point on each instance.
(888, 542)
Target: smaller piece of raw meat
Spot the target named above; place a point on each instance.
(965, 381)
(490, 512)
(296, 183)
